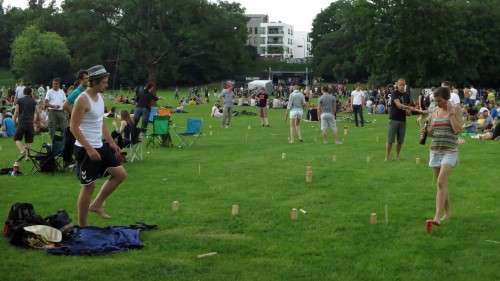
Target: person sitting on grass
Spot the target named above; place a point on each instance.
(216, 111)
(8, 125)
(485, 122)
(122, 134)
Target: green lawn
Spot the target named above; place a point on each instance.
(333, 241)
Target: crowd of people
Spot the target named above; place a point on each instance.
(76, 115)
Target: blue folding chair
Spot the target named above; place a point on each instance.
(192, 133)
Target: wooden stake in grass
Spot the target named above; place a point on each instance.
(309, 174)
(235, 210)
(386, 208)
(345, 130)
(199, 169)
(294, 214)
(175, 206)
(373, 218)
(417, 160)
(283, 156)
(206, 255)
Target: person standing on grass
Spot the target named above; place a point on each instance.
(54, 101)
(25, 115)
(327, 107)
(357, 103)
(295, 109)
(262, 98)
(144, 101)
(445, 125)
(69, 139)
(94, 158)
(397, 119)
(19, 91)
(227, 99)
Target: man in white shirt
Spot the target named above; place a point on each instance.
(473, 94)
(19, 91)
(54, 101)
(357, 103)
(454, 98)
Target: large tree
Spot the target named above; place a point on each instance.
(38, 56)
(168, 36)
(424, 41)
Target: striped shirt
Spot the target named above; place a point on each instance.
(443, 137)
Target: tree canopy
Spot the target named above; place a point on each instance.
(423, 41)
(168, 41)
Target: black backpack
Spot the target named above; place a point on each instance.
(20, 216)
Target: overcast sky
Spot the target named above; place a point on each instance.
(299, 13)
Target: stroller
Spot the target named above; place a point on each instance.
(50, 157)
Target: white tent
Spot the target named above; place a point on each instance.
(266, 84)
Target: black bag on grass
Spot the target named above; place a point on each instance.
(20, 215)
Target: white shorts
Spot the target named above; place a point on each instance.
(296, 113)
(439, 159)
(328, 121)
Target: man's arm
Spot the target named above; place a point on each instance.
(16, 113)
(401, 106)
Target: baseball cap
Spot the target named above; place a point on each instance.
(97, 71)
(483, 109)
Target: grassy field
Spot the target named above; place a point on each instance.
(333, 241)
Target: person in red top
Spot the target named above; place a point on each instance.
(262, 104)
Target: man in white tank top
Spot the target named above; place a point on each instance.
(95, 158)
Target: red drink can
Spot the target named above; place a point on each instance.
(429, 226)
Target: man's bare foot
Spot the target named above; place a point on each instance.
(100, 212)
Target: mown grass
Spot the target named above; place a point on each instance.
(333, 241)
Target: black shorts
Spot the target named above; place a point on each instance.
(89, 171)
(25, 130)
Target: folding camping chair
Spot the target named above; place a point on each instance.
(134, 147)
(192, 133)
(161, 132)
(49, 158)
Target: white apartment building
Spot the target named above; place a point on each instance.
(272, 39)
(302, 45)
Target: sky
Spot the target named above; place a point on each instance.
(299, 13)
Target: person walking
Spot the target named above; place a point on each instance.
(95, 158)
(262, 98)
(327, 107)
(54, 101)
(295, 110)
(227, 99)
(25, 115)
(445, 125)
(397, 119)
(357, 104)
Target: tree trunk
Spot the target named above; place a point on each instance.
(152, 72)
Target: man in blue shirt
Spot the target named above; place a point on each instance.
(8, 125)
(69, 139)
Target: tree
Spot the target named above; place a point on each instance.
(38, 56)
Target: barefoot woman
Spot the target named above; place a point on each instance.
(445, 124)
(94, 158)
